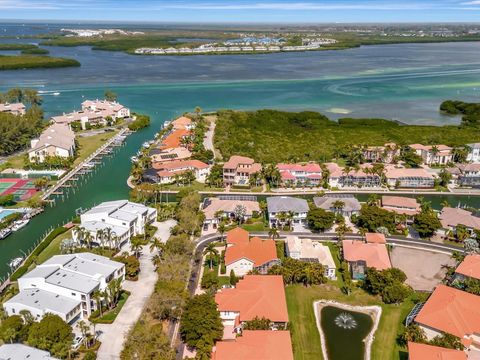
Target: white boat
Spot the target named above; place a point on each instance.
(88, 165)
(56, 93)
(134, 159)
(4, 233)
(15, 262)
(17, 225)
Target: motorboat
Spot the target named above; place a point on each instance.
(15, 263)
(17, 225)
(4, 233)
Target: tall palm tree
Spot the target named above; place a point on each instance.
(221, 229)
(97, 296)
(210, 252)
(99, 237)
(155, 244)
(273, 233)
(290, 217)
(135, 246)
(88, 239)
(338, 205)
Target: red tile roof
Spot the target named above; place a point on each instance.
(375, 255)
(308, 168)
(257, 250)
(237, 236)
(181, 123)
(452, 311)
(430, 352)
(455, 216)
(256, 345)
(236, 160)
(179, 164)
(375, 238)
(400, 201)
(174, 140)
(255, 296)
(470, 267)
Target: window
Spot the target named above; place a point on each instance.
(74, 294)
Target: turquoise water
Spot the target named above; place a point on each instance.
(4, 213)
(405, 82)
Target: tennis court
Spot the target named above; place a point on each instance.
(19, 188)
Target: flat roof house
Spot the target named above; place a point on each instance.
(276, 205)
(23, 352)
(401, 205)
(309, 174)
(452, 311)
(311, 251)
(16, 109)
(64, 285)
(227, 206)
(361, 255)
(238, 169)
(247, 254)
(350, 207)
(56, 140)
(408, 178)
(124, 219)
(253, 296)
(429, 352)
(256, 345)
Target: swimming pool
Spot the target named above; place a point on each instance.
(4, 213)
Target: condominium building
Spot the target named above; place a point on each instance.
(434, 154)
(473, 152)
(408, 178)
(56, 140)
(124, 219)
(238, 170)
(383, 154)
(107, 108)
(169, 171)
(64, 285)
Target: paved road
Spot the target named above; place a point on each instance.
(113, 335)
(208, 140)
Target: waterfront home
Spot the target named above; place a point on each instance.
(238, 170)
(382, 154)
(23, 352)
(183, 123)
(401, 205)
(335, 172)
(64, 285)
(107, 108)
(434, 154)
(170, 171)
(286, 209)
(418, 351)
(330, 202)
(469, 268)
(175, 139)
(228, 207)
(362, 255)
(311, 251)
(346, 177)
(473, 153)
(172, 154)
(309, 174)
(124, 219)
(450, 218)
(56, 140)
(81, 117)
(250, 254)
(400, 177)
(451, 311)
(254, 296)
(16, 109)
(255, 344)
(466, 175)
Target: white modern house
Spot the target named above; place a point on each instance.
(56, 140)
(107, 108)
(64, 285)
(124, 219)
(23, 352)
(286, 206)
(473, 153)
(311, 251)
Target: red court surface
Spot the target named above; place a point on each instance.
(21, 189)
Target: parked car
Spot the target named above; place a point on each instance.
(77, 342)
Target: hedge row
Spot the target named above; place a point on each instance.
(48, 239)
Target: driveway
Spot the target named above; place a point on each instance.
(424, 269)
(208, 140)
(113, 335)
(163, 229)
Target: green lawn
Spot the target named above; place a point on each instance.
(88, 144)
(53, 248)
(110, 316)
(256, 226)
(305, 336)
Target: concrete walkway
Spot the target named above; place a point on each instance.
(113, 335)
(163, 229)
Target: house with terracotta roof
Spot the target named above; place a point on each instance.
(174, 139)
(311, 251)
(469, 268)
(56, 140)
(246, 255)
(362, 255)
(450, 218)
(309, 174)
(237, 236)
(228, 207)
(256, 345)
(183, 123)
(335, 172)
(401, 205)
(16, 109)
(434, 154)
(452, 311)
(254, 296)
(167, 172)
(375, 238)
(171, 154)
(400, 177)
(383, 154)
(429, 352)
(238, 170)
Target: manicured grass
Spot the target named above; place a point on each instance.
(16, 162)
(305, 335)
(32, 61)
(195, 186)
(110, 316)
(53, 248)
(88, 144)
(257, 226)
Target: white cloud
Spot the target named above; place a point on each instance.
(474, 2)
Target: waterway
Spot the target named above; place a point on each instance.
(404, 82)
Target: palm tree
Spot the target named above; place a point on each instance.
(85, 330)
(155, 244)
(99, 237)
(445, 203)
(372, 200)
(197, 110)
(210, 252)
(281, 217)
(108, 233)
(221, 229)
(290, 217)
(97, 296)
(157, 260)
(273, 233)
(338, 205)
(135, 246)
(88, 238)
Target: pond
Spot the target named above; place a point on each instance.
(344, 332)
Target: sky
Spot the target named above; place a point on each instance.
(245, 11)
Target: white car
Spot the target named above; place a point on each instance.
(77, 342)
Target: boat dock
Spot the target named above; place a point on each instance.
(85, 167)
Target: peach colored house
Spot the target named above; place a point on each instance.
(401, 205)
(16, 109)
(452, 217)
(430, 352)
(469, 268)
(166, 172)
(256, 345)
(452, 311)
(434, 154)
(183, 123)
(362, 255)
(238, 169)
(213, 206)
(309, 174)
(408, 178)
